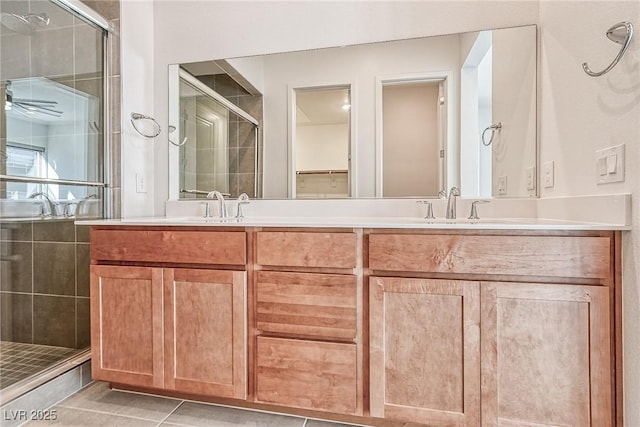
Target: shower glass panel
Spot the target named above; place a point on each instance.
(51, 173)
(214, 142)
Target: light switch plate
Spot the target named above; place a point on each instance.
(548, 174)
(610, 165)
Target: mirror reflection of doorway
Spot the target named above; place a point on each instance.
(413, 137)
(322, 142)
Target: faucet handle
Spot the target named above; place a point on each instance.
(442, 194)
(243, 199)
(429, 214)
(474, 211)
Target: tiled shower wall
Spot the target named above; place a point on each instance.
(242, 144)
(44, 283)
(44, 272)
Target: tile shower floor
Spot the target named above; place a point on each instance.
(19, 360)
(98, 405)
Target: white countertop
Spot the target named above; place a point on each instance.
(363, 222)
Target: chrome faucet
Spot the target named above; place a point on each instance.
(223, 207)
(51, 205)
(243, 199)
(451, 203)
(80, 207)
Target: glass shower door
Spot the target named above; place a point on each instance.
(51, 172)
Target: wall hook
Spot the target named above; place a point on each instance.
(620, 33)
(177, 144)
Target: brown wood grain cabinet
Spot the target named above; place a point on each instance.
(126, 325)
(205, 332)
(383, 327)
(181, 329)
(513, 347)
(309, 345)
(425, 350)
(545, 355)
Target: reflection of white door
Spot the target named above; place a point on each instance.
(212, 160)
(413, 133)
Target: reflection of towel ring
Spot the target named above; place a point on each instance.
(138, 116)
(493, 129)
(620, 33)
(184, 141)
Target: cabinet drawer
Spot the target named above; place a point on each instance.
(306, 249)
(307, 374)
(318, 305)
(192, 247)
(552, 256)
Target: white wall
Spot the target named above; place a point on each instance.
(322, 147)
(581, 114)
(514, 106)
(137, 44)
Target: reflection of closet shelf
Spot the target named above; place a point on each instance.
(321, 172)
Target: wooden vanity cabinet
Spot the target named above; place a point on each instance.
(425, 350)
(126, 325)
(308, 344)
(172, 328)
(545, 355)
(523, 339)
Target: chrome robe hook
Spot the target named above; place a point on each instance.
(620, 33)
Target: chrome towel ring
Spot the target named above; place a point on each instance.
(493, 129)
(137, 116)
(620, 33)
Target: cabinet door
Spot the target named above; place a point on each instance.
(545, 355)
(126, 325)
(425, 350)
(205, 332)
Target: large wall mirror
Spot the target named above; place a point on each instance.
(405, 118)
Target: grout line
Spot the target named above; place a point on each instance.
(170, 413)
(94, 411)
(306, 420)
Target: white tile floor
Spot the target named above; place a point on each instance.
(98, 405)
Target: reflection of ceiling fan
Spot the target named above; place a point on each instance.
(29, 107)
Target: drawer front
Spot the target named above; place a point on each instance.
(306, 249)
(317, 305)
(192, 247)
(579, 257)
(307, 374)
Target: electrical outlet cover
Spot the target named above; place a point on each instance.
(548, 174)
(502, 185)
(531, 178)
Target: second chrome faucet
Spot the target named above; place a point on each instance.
(243, 199)
(451, 203)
